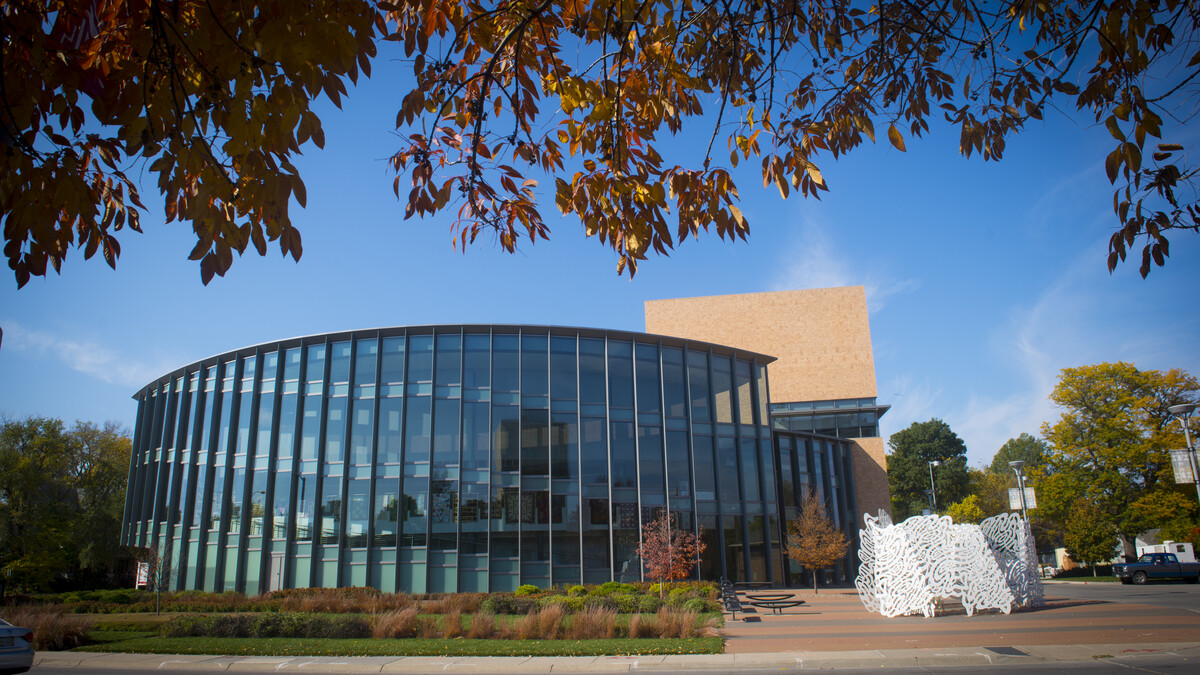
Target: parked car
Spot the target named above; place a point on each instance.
(1156, 566)
(16, 648)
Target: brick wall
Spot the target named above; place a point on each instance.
(821, 336)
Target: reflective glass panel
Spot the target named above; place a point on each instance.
(620, 374)
(623, 465)
(366, 353)
(420, 358)
(564, 446)
(562, 368)
(506, 438)
(417, 431)
(650, 459)
(449, 355)
(697, 363)
(476, 361)
(745, 400)
(593, 450)
(648, 384)
(339, 363)
(722, 389)
(391, 370)
(592, 387)
(535, 442)
(535, 372)
(505, 363)
(476, 435)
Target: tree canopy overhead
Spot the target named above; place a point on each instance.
(215, 95)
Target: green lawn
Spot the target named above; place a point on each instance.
(109, 642)
(1100, 579)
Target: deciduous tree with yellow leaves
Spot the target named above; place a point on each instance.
(1110, 448)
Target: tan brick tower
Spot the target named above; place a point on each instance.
(822, 338)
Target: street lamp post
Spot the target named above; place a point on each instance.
(932, 487)
(1183, 413)
(1017, 466)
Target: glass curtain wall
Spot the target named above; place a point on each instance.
(456, 458)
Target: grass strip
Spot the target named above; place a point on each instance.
(410, 647)
(104, 636)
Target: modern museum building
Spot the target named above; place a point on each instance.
(482, 457)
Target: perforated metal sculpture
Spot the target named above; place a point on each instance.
(907, 568)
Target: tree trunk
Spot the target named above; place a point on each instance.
(815, 591)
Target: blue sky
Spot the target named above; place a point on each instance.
(983, 279)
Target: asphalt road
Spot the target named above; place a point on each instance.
(1172, 594)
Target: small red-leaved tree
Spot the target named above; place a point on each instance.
(813, 541)
(668, 552)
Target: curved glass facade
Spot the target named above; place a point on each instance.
(465, 458)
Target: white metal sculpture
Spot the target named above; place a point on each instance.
(910, 567)
(1011, 540)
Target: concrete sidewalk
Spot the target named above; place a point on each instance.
(793, 660)
(837, 621)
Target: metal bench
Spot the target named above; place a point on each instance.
(776, 606)
(729, 599)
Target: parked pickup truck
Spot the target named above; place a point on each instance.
(1156, 566)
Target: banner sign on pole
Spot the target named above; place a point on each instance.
(1014, 499)
(143, 574)
(1181, 462)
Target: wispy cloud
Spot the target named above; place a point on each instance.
(1082, 318)
(912, 400)
(814, 261)
(85, 356)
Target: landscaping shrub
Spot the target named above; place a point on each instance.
(267, 625)
(452, 624)
(569, 604)
(483, 625)
(445, 603)
(642, 626)
(428, 627)
(577, 591)
(678, 596)
(612, 587)
(400, 623)
(700, 606)
(676, 624)
(592, 624)
(550, 622)
(649, 604)
(526, 628)
(626, 603)
(355, 592)
(600, 602)
(497, 603)
(527, 589)
(52, 629)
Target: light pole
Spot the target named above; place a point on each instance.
(1183, 413)
(1017, 465)
(932, 487)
